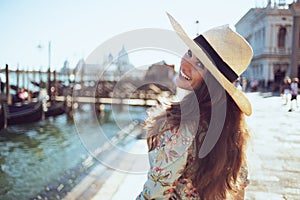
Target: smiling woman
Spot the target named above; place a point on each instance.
(197, 146)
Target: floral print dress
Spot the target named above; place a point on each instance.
(169, 165)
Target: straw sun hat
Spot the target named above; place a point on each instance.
(225, 54)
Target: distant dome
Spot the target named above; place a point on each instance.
(110, 58)
(123, 58)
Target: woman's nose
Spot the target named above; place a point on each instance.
(185, 62)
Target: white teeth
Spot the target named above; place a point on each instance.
(185, 76)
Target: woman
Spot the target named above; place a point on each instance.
(294, 92)
(286, 88)
(197, 146)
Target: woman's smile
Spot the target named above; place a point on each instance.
(186, 77)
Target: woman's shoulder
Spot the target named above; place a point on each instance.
(184, 128)
(189, 128)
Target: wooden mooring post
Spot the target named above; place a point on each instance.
(8, 96)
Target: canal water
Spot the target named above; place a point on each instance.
(34, 157)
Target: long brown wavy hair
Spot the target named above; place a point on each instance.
(217, 173)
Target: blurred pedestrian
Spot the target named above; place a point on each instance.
(253, 85)
(197, 146)
(244, 84)
(237, 84)
(286, 88)
(294, 93)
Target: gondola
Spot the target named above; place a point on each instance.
(55, 109)
(1, 118)
(23, 113)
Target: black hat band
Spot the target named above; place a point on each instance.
(218, 61)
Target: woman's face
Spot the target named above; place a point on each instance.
(191, 72)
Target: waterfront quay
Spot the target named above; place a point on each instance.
(273, 159)
(36, 95)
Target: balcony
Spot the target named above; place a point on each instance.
(272, 51)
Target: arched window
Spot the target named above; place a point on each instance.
(281, 37)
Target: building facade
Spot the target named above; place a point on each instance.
(269, 30)
(161, 73)
(110, 69)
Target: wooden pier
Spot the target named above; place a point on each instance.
(111, 101)
(54, 88)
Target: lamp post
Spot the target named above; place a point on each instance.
(197, 27)
(49, 54)
(40, 47)
(49, 71)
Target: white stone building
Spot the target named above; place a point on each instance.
(110, 69)
(269, 30)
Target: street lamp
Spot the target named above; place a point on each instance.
(197, 27)
(40, 47)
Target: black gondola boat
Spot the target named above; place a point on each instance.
(55, 109)
(23, 113)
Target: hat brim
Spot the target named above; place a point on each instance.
(238, 96)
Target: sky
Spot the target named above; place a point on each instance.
(76, 28)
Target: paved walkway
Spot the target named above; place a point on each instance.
(273, 155)
(273, 150)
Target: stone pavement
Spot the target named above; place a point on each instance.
(273, 158)
(273, 150)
